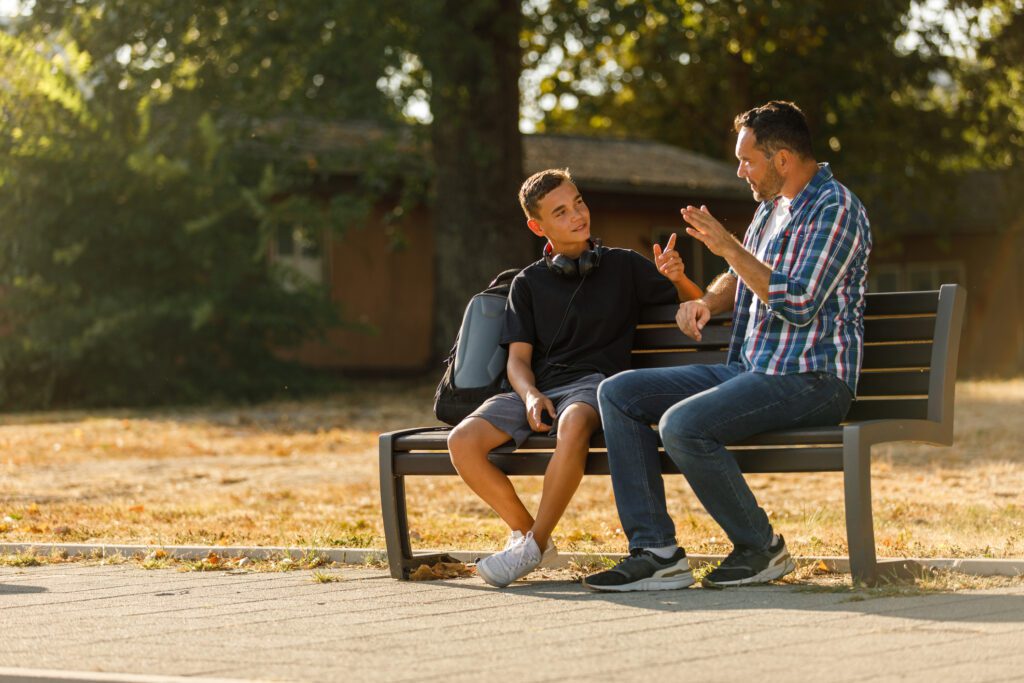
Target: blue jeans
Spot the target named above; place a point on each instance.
(699, 409)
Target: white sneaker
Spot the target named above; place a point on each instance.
(515, 562)
(513, 539)
(550, 556)
(548, 559)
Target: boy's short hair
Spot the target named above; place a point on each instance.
(537, 186)
(778, 125)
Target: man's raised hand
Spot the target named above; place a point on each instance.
(692, 316)
(668, 260)
(706, 228)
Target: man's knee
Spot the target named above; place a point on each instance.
(613, 391)
(684, 435)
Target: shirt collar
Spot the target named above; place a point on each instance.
(811, 189)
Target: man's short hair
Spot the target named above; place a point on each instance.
(537, 186)
(778, 125)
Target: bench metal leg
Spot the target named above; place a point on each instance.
(396, 521)
(860, 528)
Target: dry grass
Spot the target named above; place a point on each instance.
(305, 474)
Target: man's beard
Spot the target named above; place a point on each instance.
(770, 186)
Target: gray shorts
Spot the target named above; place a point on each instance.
(507, 411)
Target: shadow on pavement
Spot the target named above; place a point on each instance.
(965, 607)
(14, 589)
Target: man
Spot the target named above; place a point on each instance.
(569, 324)
(796, 286)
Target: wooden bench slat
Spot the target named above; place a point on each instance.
(876, 357)
(665, 314)
(901, 303)
(876, 330)
(897, 383)
(716, 336)
(898, 330)
(910, 355)
(437, 440)
(829, 459)
(890, 409)
(665, 359)
(888, 303)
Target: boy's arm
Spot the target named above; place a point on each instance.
(520, 375)
(670, 264)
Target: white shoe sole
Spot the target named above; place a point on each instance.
(783, 565)
(654, 583)
(483, 573)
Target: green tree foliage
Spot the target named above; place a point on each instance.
(135, 226)
(991, 83)
(154, 148)
(680, 70)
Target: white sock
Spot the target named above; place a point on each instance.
(664, 552)
(775, 539)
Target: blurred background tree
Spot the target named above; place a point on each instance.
(142, 191)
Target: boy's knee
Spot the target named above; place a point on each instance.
(464, 443)
(579, 422)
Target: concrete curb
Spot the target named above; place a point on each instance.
(974, 566)
(11, 675)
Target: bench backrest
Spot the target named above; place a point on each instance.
(911, 342)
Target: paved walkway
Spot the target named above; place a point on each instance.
(284, 626)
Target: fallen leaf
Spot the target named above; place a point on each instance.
(441, 570)
(136, 508)
(822, 568)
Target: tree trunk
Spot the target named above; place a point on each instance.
(479, 229)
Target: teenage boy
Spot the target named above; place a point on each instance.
(568, 325)
(796, 289)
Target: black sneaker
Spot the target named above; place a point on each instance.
(747, 566)
(644, 571)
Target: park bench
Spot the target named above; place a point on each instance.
(905, 393)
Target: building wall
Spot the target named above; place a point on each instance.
(990, 267)
(385, 292)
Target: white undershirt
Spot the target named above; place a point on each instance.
(777, 222)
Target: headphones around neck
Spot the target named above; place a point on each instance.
(562, 265)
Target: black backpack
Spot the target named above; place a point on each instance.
(475, 368)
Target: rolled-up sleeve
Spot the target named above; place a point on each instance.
(822, 250)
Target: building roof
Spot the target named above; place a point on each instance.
(597, 164)
(632, 166)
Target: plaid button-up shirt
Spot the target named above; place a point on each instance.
(813, 320)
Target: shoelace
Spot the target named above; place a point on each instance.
(737, 553)
(518, 551)
(633, 553)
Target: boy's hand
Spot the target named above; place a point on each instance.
(668, 261)
(536, 404)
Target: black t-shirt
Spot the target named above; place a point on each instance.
(579, 326)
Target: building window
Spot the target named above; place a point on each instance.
(300, 253)
(917, 276)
